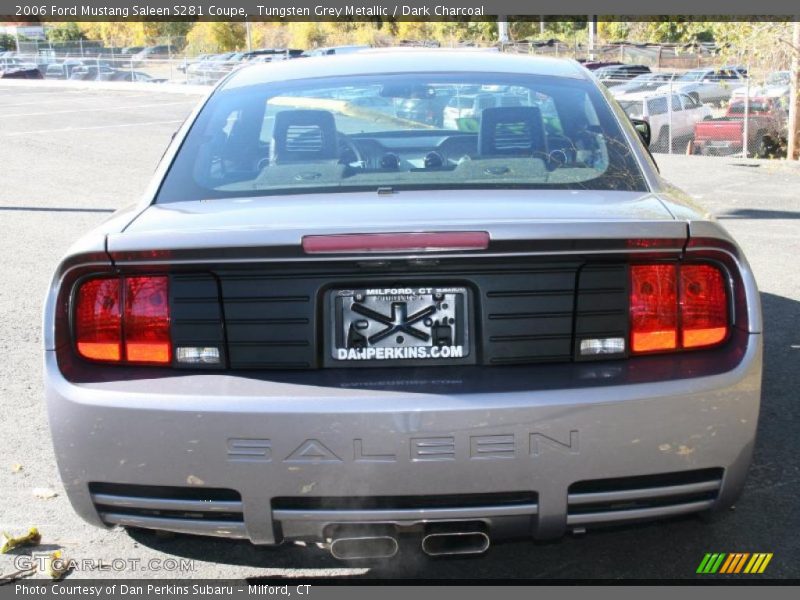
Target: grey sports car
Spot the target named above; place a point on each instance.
(325, 322)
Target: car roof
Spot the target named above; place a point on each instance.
(404, 61)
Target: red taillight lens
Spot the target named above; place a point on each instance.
(703, 305)
(98, 320)
(654, 308)
(677, 306)
(147, 337)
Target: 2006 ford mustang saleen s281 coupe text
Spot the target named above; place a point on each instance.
(404, 293)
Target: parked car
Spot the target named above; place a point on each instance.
(22, 72)
(766, 129)
(62, 70)
(713, 86)
(187, 62)
(594, 65)
(90, 72)
(471, 107)
(331, 50)
(127, 75)
(424, 104)
(13, 63)
(151, 53)
(777, 85)
(618, 74)
(646, 82)
(12, 67)
(271, 54)
(522, 330)
(685, 112)
(213, 68)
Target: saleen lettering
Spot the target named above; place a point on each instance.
(418, 449)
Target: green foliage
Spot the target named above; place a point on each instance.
(64, 32)
(7, 42)
(216, 36)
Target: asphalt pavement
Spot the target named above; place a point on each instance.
(69, 157)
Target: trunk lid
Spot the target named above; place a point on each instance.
(508, 215)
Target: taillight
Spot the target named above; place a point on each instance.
(98, 321)
(677, 307)
(704, 306)
(654, 308)
(124, 320)
(147, 320)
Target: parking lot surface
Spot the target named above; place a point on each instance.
(69, 157)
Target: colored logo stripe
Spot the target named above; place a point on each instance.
(711, 563)
(734, 563)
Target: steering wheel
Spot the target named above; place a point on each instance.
(348, 150)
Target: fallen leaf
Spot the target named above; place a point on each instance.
(16, 468)
(32, 538)
(55, 565)
(44, 493)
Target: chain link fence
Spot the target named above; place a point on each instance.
(693, 102)
(712, 111)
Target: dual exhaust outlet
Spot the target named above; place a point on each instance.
(447, 539)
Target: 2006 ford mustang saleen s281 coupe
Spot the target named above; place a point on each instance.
(403, 293)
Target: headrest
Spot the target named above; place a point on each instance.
(304, 136)
(511, 130)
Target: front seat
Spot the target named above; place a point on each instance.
(303, 136)
(511, 131)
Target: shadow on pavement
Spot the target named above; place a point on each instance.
(757, 213)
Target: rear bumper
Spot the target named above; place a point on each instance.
(508, 458)
(720, 147)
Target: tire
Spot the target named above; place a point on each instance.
(761, 146)
(773, 146)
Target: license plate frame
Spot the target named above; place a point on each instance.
(407, 325)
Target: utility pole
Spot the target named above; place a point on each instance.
(502, 29)
(249, 36)
(793, 152)
(592, 25)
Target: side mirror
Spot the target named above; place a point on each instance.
(643, 129)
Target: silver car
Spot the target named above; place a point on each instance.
(325, 323)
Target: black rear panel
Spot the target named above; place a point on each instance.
(522, 313)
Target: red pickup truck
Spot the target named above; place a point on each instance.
(766, 129)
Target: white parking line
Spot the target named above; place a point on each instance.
(97, 109)
(61, 98)
(70, 129)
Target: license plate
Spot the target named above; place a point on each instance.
(719, 144)
(399, 326)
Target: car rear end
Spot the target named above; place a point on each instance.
(460, 370)
(718, 136)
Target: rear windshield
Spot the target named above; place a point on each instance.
(377, 132)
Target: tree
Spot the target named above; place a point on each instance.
(216, 36)
(64, 32)
(115, 33)
(7, 42)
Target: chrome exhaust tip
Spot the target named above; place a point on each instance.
(363, 547)
(449, 542)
